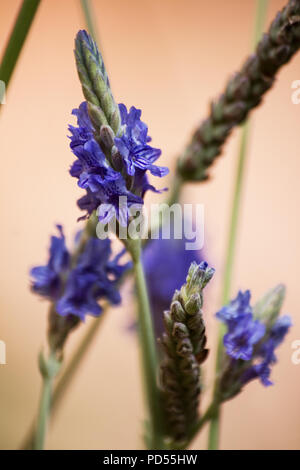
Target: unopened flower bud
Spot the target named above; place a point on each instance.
(193, 304)
(107, 136)
(177, 312)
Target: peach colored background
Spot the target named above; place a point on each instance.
(169, 57)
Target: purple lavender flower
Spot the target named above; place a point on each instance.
(47, 279)
(243, 331)
(279, 330)
(250, 343)
(240, 339)
(94, 277)
(111, 144)
(79, 297)
(103, 184)
(105, 187)
(133, 144)
(85, 131)
(266, 352)
(236, 309)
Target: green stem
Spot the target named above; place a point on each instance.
(235, 212)
(68, 373)
(17, 39)
(175, 191)
(148, 350)
(214, 432)
(42, 422)
(48, 370)
(87, 9)
(73, 364)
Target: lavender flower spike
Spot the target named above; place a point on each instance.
(184, 344)
(111, 144)
(243, 92)
(243, 332)
(252, 336)
(76, 284)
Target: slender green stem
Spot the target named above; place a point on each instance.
(214, 432)
(87, 9)
(148, 350)
(17, 39)
(73, 364)
(68, 373)
(234, 220)
(44, 411)
(175, 191)
(48, 370)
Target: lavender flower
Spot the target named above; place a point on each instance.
(103, 184)
(236, 309)
(76, 288)
(111, 144)
(251, 340)
(133, 145)
(266, 352)
(243, 331)
(47, 279)
(106, 188)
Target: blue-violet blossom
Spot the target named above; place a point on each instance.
(106, 186)
(249, 339)
(76, 289)
(133, 144)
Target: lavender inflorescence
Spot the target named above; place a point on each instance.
(184, 344)
(75, 283)
(252, 336)
(243, 92)
(111, 144)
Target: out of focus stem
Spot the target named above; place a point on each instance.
(148, 348)
(17, 39)
(88, 13)
(68, 373)
(175, 190)
(49, 370)
(43, 415)
(214, 432)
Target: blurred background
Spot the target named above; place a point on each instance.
(170, 58)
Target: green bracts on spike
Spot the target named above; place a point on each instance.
(268, 307)
(184, 344)
(102, 107)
